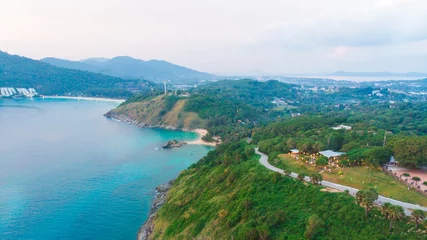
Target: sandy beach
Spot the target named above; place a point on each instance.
(199, 141)
(87, 99)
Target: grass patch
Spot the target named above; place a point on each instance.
(358, 177)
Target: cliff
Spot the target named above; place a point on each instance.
(157, 112)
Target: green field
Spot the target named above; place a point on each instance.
(358, 177)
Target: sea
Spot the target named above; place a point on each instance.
(67, 172)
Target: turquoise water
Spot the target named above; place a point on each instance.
(66, 172)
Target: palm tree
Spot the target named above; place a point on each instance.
(366, 199)
(395, 214)
(418, 215)
(316, 178)
(385, 209)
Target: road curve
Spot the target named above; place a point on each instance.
(381, 199)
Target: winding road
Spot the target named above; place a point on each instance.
(381, 199)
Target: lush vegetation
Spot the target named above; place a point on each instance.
(359, 177)
(229, 195)
(23, 72)
(373, 145)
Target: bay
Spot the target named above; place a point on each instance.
(67, 172)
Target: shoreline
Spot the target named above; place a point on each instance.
(200, 132)
(147, 228)
(86, 98)
(199, 140)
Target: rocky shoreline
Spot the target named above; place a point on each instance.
(128, 120)
(160, 199)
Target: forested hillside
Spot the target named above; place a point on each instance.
(228, 108)
(231, 109)
(229, 195)
(16, 71)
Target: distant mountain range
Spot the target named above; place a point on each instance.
(131, 68)
(21, 72)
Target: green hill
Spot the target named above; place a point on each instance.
(16, 71)
(229, 195)
(157, 111)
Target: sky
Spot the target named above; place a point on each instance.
(228, 37)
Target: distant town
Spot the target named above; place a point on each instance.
(17, 92)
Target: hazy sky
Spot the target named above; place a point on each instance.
(225, 36)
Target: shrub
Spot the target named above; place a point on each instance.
(322, 161)
(416, 178)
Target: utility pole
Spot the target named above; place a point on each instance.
(165, 87)
(385, 138)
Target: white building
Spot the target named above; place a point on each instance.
(342, 127)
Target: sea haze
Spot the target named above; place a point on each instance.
(66, 172)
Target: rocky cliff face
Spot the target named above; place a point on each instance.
(148, 227)
(129, 120)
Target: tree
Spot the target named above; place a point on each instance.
(411, 151)
(379, 155)
(356, 156)
(301, 176)
(418, 215)
(291, 143)
(385, 209)
(425, 183)
(287, 172)
(313, 226)
(249, 152)
(396, 213)
(317, 146)
(322, 161)
(366, 199)
(305, 147)
(316, 178)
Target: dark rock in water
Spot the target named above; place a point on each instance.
(148, 227)
(173, 144)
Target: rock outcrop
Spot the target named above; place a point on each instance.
(148, 227)
(173, 144)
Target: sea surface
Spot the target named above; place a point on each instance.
(67, 172)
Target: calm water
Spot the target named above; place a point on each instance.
(66, 172)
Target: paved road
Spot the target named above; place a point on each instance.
(381, 199)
